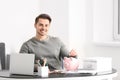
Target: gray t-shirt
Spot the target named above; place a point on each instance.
(51, 48)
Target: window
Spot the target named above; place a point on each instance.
(116, 18)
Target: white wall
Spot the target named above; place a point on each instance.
(103, 21)
(77, 25)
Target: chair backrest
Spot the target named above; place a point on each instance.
(2, 55)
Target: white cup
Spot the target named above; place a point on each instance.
(43, 71)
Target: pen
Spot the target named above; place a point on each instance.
(38, 62)
(44, 61)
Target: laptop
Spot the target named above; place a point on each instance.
(22, 63)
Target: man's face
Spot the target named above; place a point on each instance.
(42, 27)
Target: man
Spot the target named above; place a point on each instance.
(45, 46)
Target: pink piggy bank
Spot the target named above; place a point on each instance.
(70, 64)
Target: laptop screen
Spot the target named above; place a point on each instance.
(22, 64)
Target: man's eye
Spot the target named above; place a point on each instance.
(46, 25)
(40, 24)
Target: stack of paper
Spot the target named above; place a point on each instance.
(100, 65)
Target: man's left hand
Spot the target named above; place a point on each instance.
(73, 53)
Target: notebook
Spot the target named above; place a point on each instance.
(22, 64)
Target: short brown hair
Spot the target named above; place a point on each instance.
(43, 16)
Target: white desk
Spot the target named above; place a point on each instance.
(4, 75)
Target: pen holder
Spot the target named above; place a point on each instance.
(43, 71)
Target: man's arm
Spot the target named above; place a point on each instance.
(24, 48)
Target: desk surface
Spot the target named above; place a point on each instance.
(60, 76)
